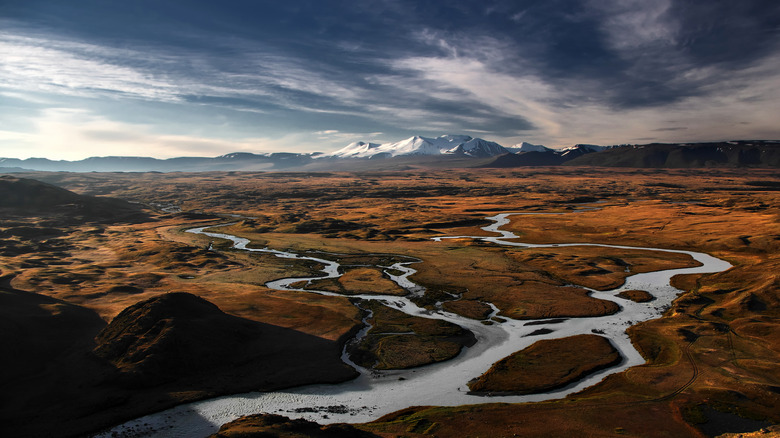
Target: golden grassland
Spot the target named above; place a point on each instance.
(599, 268)
(359, 280)
(397, 340)
(715, 352)
(547, 365)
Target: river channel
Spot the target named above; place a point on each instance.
(374, 394)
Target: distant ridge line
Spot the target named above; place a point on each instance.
(455, 151)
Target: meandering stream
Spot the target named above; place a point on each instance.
(373, 393)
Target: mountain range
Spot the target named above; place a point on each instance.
(235, 161)
(741, 153)
(443, 151)
(443, 145)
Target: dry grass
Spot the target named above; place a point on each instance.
(361, 280)
(546, 365)
(717, 345)
(599, 268)
(397, 340)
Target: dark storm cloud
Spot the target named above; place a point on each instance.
(563, 40)
(507, 68)
(680, 51)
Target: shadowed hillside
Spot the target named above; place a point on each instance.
(534, 158)
(158, 353)
(270, 425)
(722, 154)
(24, 197)
(179, 337)
(46, 347)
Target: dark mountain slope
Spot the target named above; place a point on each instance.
(178, 337)
(534, 158)
(46, 346)
(66, 373)
(659, 155)
(23, 197)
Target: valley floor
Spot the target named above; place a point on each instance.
(711, 359)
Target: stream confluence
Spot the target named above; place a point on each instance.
(376, 393)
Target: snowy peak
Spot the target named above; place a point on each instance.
(418, 145)
(447, 142)
(528, 147)
(413, 146)
(357, 149)
(479, 148)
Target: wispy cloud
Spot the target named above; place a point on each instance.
(268, 75)
(249, 79)
(72, 68)
(76, 69)
(566, 111)
(637, 24)
(335, 137)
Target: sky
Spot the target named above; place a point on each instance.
(83, 78)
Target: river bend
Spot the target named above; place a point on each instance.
(374, 394)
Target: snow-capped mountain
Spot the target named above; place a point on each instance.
(355, 150)
(581, 149)
(528, 154)
(527, 147)
(478, 148)
(417, 145)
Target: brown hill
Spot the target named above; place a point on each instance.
(547, 365)
(23, 196)
(178, 337)
(28, 323)
(46, 347)
(64, 376)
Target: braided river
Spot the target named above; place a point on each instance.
(376, 393)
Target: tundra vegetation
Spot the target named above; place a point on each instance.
(88, 266)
